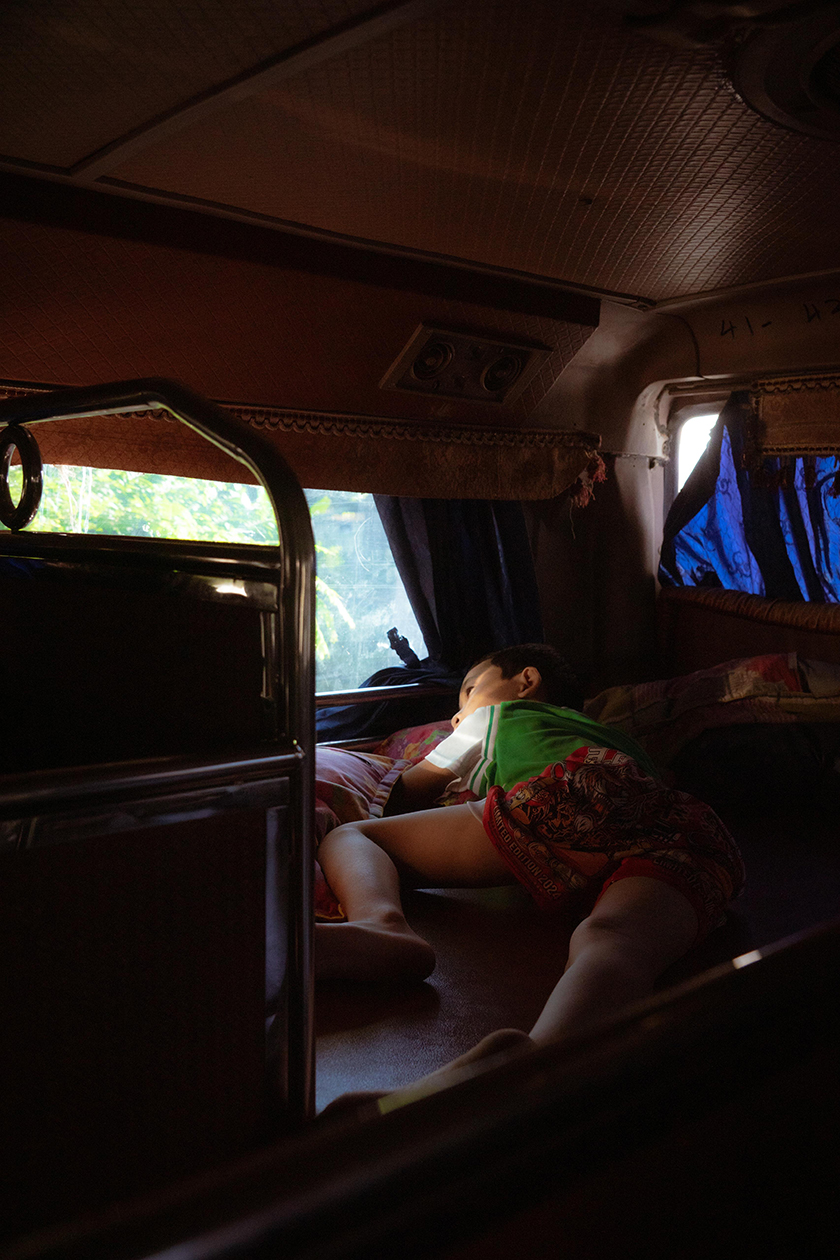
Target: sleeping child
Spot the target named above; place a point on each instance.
(568, 808)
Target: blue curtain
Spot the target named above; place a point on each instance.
(771, 529)
(467, 568)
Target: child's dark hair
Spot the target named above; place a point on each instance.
(560, 683)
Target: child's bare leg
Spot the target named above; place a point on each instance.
(638, 929)
(376, 943)
(364, 863)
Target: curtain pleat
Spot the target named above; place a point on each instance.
(468, 570)
(746, 521)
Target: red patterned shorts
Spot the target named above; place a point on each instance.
(595, 818)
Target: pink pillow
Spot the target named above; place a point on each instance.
(413, 743)
(349, 786)
(353, 785)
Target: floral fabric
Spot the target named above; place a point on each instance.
(664, 716)
(595, 818)
(771, 528)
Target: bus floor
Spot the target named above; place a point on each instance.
(499, 957)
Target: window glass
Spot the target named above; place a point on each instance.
(151, 505)
(359, 592)
(692, 440)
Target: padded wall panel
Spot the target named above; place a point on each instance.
(699, 628)
(249, 321)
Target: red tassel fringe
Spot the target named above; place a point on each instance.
(594, 472)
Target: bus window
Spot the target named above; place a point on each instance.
(692, 439)
(359, 592)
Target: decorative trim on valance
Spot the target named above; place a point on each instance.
(817, 618)
(795, 415)
(343, 425)
(422, 460)
(333, 451)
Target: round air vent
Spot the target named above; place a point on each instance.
(434, 359)
(502, 372)
(790, 72)
(825, 78)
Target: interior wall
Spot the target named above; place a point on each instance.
(595, 569)
(612, 385)
(789, 326)
(597, 566)
(602, 385)
(97, 288)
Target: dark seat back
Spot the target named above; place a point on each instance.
(96, 670)
(155, 847)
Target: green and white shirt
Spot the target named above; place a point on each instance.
(501, 745)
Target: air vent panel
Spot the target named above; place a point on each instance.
(457, 363)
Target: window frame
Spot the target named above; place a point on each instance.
(683, 408)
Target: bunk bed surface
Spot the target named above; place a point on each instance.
(748, 735)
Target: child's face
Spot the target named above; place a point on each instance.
(485, 685)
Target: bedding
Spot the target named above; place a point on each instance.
(665, 716)
(350, 786)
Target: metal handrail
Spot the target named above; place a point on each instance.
(366, 695)
(295, 561)
(297, 546)
(45, 792)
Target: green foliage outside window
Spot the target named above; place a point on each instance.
(358, 591)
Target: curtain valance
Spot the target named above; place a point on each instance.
(794, 415)
(337, 452)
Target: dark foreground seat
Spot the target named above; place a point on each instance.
(155, 846)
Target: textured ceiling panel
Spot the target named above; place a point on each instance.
(79, 308)
(544, 136)
(540, 136)
(77, 74)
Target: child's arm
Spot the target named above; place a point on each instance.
(418, 787)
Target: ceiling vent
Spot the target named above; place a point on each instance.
(454, 363)
(782, 58)
(790, 72)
